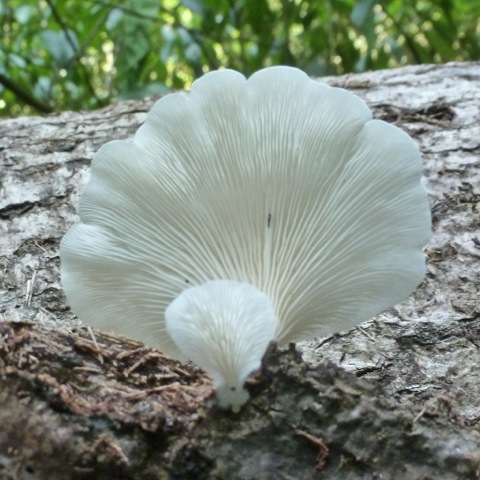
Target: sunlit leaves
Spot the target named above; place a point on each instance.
(66, 54)
(61, 44)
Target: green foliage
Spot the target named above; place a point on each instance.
(72, 54)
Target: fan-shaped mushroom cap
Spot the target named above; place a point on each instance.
(279, 182)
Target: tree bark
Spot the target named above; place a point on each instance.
(76, 404)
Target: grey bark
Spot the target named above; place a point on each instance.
(414, 413)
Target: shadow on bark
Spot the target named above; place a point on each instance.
(77, 406)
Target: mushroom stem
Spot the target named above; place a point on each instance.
(225, 327)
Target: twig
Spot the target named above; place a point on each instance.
(322, 454)
(362, 330)
(24, 96)
(74, 48)
(30, 287)
(419, 415)
(92, 336)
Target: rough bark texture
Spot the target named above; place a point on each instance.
(77, 406)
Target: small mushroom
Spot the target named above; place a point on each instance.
(247, 211)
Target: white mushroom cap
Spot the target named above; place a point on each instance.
(278, 182)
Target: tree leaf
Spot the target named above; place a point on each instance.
(59, 45)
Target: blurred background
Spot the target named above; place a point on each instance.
(82, 54)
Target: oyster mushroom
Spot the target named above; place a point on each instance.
(247, 211)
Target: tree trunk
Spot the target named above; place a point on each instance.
(76, 404)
